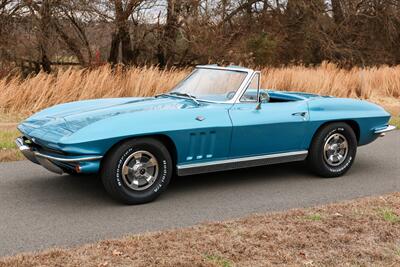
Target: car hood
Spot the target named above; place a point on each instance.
(65, 119)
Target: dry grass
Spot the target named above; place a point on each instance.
(44, 90)
(364, 232)
(12, 154)
(381, 85)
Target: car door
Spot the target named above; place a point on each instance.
(272, 127)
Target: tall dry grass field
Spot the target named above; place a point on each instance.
(380, 85)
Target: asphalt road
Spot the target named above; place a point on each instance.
(40, 210)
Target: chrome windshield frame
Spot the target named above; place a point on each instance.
(247, 85)
(239, 92)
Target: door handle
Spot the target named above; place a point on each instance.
(303, 114)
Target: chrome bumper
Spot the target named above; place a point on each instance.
(46, 160)
(384, 130)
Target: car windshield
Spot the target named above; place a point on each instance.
(211, 84)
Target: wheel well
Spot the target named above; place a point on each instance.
(166, 140)
(353, 124)
(356, 128)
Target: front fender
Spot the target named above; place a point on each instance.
(190, 135)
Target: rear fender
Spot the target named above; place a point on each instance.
(363, 116)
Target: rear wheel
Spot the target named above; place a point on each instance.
(333, 150)
(137, 171)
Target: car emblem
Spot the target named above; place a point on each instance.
(200, 118)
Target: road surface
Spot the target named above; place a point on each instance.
(39, 210)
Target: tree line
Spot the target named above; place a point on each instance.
(38, 34)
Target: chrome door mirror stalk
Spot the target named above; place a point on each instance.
(262, 98)
(258, 107)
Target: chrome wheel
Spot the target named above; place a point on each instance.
(140, 170)
(336, 149)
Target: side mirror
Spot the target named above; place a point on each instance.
(263, 97)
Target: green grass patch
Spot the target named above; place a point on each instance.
(314, 217)
(389, 215)
(8, 148)
(7, 138)
(397, 252)
(218, 260)
(395, 121)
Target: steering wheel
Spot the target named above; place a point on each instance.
(230, 95)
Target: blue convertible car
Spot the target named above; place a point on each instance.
(216, 119)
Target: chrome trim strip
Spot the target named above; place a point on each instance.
(29, 153)
(244, 159)
(216, 67)
(389, 128)
(87, 158)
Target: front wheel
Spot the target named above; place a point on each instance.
(137, 171)
(333, 150)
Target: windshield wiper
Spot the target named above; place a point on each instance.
(193, 98)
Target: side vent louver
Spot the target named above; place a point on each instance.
(201, 145)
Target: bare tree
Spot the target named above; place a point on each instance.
(57, 19)
(337, 11)
(42, 33)
(122, 11)
(41, 12)
(71, 14)
(167, 44)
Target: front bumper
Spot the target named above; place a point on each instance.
(52, 162)
(384, 130)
